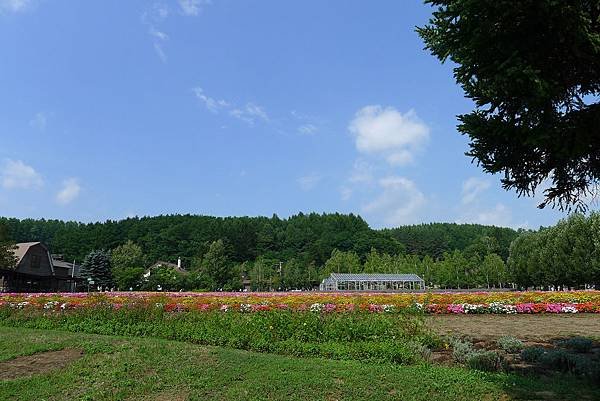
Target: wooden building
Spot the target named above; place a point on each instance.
(37, 271)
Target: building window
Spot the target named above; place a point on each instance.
(35, 261)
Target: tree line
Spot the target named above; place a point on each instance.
(564, 255)
(309, 238)
(298, 252)
(122, 268)
(269, 253)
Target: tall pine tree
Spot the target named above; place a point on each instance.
(96, 266)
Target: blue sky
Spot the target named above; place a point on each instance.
(116, 108)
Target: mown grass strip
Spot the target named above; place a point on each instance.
(118, 368)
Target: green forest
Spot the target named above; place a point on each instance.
(299, 251)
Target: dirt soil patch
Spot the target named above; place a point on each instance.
(42, 362)
(530, 328)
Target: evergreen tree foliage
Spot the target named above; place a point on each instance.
(532, 68)
(96, 266)
(306, 237)
(434, 239)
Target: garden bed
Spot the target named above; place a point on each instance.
(530, 328)
(532, 302)
(384, 337)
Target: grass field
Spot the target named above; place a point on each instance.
(94, 367)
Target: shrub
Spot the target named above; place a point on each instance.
(579, 365)
(461, 350)
(532, 354)
(594, 373)
(578, 344)
(510, 344)
(420, 349)
(573, 363)
(487, 361)
(557, 359)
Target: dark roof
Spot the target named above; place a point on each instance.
(373, 277)
(22, 248)
(66, 265)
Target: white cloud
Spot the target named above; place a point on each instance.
(500, 215)
(346, 193)
(39, 121)
(159, 39)
(14, 6)
(250, 113)
(69, 191)
(156, 14)
(212, 104)
(158, 48)
(192, 7)
(308, 125)
(362, 173)
(360, 177)
(309, 182)
(307, 129)
(388, 132)
(161, 11)
(472, 187)
(396, 137)
(400, 158)
(18, 175)
(153, 17)
(158, 34)
(399, 202)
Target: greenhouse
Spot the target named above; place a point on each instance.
(372, 282)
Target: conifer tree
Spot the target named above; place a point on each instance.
(96, 267)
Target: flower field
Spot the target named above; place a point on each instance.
(360, 326)
(430, 303)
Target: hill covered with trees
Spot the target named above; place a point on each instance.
(310, 238)
(272, 252)
(434, 239)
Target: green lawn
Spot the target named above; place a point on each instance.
(120, 368)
